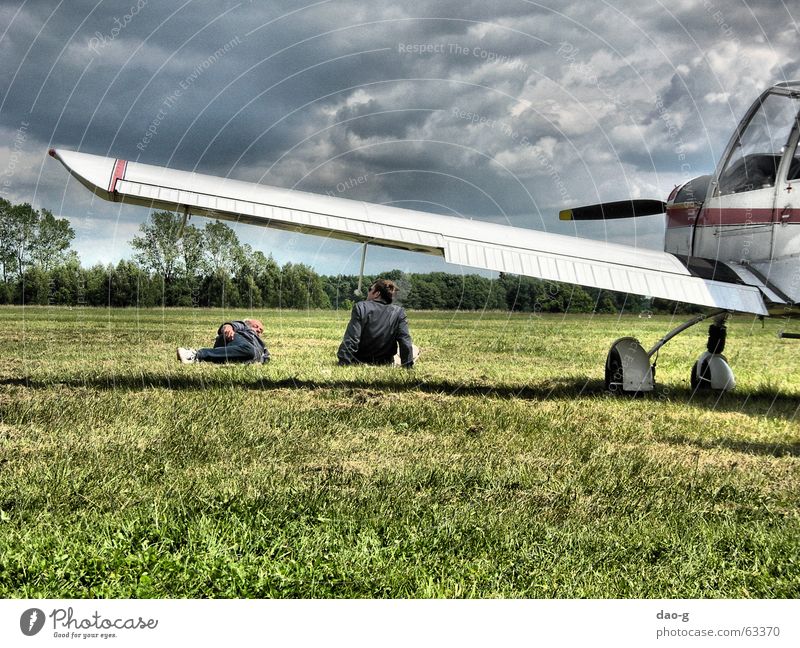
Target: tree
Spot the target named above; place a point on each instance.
(6, 249)
(218, 290)
(425, 294)
(294, 293)
(96, 286)
(578, 300)
(268, 278)
(247, 263)
(480, 293)
(301, 287)
(339, 290)
(17, 233)
(522, 294)
(64, 280)
(30, 238)
(51, 244)
(249, 292)
(126, 284)
(34, 287)
(605, 303)
(158, 248)
(317, 297)
(221, 248)
(192, 251)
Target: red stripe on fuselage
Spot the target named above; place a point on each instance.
(119, 174)
(737, 216)
(683, 215)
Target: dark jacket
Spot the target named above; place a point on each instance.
(244, 334)
(374, 333)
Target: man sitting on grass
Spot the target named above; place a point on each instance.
(376, 329)
(236, 341)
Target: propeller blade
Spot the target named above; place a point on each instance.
(619, 209)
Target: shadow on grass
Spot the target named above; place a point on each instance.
(747, 447)
(223, 380)
(750, 403)
(755, 402)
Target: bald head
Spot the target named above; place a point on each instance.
(255, 325)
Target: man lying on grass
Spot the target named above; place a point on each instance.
(237, 341)
(376, 329)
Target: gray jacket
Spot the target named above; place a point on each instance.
(247, 338)
(374, 333)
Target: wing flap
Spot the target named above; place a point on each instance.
(607, 276)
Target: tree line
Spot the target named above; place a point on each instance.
(177, 264)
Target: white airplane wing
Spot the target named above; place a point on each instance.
(477, 244)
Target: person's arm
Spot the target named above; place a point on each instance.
(352, 338)
(404, 341)
(229, 329)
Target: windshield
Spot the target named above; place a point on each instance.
(753, 163)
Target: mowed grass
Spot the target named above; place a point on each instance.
(496, 468)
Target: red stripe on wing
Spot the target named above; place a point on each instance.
(119, 174)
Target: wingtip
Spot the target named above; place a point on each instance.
(565, 214)
(51, 152)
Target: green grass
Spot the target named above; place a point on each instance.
(497, 468)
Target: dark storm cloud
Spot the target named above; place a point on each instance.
(505, 110)
(122, 63)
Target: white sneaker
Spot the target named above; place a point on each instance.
(187, 356)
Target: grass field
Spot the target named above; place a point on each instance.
(496, 468)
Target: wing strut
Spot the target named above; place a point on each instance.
(186, 217)
(357, 292)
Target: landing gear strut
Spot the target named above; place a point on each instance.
(629, 368)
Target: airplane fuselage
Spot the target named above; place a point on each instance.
(745, 218)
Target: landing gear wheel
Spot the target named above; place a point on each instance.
(712, 372)
(628, 368)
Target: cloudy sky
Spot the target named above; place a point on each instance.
(505, 111)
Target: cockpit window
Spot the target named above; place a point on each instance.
(753, 164)
(794, 165)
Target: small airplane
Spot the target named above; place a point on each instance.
(732, 239)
